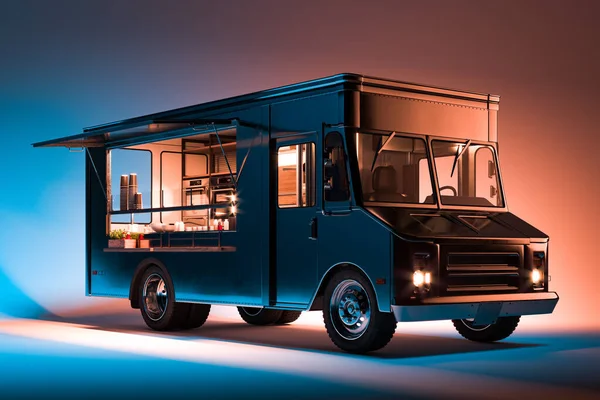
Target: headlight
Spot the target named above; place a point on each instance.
(422, 275)
(421, 278)
(536, 276)
(537, 271)
(418, 278)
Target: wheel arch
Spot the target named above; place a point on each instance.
(316, 303)
(137, 276)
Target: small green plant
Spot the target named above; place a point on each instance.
(117, 234)
(135, 236)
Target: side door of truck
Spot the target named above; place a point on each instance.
(296, 211)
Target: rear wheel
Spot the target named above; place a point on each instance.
(158, 306)
(197, 316)
(287, 317)
(351, 314)
(501, 329)
(259, 316)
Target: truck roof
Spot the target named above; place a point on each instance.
(175, 119)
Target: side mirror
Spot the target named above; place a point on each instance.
(491, 169)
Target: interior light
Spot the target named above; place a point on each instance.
(428, 278)
(418, 278)
(233, 209)
(536, 276)
(233, 198)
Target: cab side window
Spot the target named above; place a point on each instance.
(336, 187)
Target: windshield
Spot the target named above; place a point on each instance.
(467, 174)
(394, 169)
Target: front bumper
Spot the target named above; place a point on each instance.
(484, 309)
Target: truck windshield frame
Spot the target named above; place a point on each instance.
(461, 157)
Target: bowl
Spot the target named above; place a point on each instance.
(160, 227)
(157, 227)
(169, 227)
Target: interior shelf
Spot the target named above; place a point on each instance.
(178, 242)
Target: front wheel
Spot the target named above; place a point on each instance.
(501, 329)
(352, 317)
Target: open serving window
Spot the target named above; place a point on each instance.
(176, 184)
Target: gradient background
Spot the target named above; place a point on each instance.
(65, 65)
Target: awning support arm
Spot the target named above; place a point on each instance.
(97, 174)
(241, 169)
(225, 156)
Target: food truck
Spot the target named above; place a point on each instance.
(375, 201)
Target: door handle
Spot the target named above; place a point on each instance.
(313, 229)
(337, 213)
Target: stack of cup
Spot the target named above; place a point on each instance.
(133, 189)
(124, 203)
(138, 201)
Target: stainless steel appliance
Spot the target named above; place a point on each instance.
(195, 192)
(222, 190)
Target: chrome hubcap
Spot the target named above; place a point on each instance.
(155, 296)
(350, 309)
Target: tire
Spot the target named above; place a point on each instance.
(499, 330)
(157, 301)
(351, 314)
(198, 313)
(287, 317)
(259, 316)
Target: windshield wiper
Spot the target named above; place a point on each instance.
(380, 149)
(459, 155)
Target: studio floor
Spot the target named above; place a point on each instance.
(116, 356)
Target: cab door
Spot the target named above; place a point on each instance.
(296, 236)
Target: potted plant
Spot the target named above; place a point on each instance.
(121, 239)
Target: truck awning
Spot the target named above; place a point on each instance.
(118, 134)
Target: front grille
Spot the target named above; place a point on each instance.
(481, 272)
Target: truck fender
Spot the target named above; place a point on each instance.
(316, 304)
